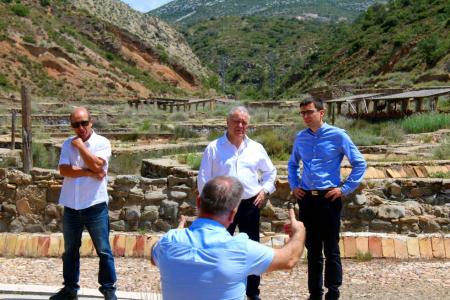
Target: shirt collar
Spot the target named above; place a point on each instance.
(92, 137)
(320, 130)
(207, 223)
(224, 139)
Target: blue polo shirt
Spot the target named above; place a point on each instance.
(205, 262)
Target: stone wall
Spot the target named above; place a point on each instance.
(29, 202)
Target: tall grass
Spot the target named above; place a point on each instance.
(193, 160)
(426, 122)
(443, 150)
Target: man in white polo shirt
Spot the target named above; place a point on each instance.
(84, 164)
(234, 154)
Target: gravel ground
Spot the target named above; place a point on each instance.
(376, 279)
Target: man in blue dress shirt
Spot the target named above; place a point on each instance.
(205, 262)
(321, 148)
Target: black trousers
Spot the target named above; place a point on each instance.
(247, 219)
(322, 219)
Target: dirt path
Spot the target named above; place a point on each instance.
(376, 279)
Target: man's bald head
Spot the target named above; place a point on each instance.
(80, 112)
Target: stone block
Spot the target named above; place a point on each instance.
(375, 247)
(446, 246)
(349, 246)
(341, 247)
(2, 242)
(388, 247)
(149, 242)
(413, 247)
(54, 245)
(23, 207)
(130, 244)
(139, 246)
(10, 245)
(425, 247)
(87, 247)
(119, 245)
(53, 193)
(401, 250)
(362, 244)
(437, 244)
(43, 246)
(31, 246)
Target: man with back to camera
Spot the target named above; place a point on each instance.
(321, 148)
(205, 261)
(234, 154)
(84, 163)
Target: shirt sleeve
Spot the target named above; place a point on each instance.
(103, 150)
(269, 172)
(259, 257)
(64, 158)
(356, 161)
(293, 166)
(205, 171)
(155, 253)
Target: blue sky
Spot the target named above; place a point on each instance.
(145, 5)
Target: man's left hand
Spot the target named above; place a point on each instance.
(259, 201)
(333, 194)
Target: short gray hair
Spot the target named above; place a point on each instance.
(221, 195)
(238, 109)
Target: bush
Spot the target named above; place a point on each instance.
(444, 175)
(20, 10)
(178, 116)
(443, 151)
(29, 39)
(193, 160)
(4, 81)
(426, 122)
(44, 2)
(363, 256)
(184, 133)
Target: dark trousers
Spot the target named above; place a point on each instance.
(321, 218)
(247, 219)
(96, 221)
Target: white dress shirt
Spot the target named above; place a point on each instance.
(250, 164)
(83, 192)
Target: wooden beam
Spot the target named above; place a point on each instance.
(13, 129)
(27, 156)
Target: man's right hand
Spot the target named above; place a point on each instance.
(294, 227)
(298, 193)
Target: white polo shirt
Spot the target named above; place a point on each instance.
(83, 192)
(250, 164)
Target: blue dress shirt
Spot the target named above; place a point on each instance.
(205, 262)
(321, 153)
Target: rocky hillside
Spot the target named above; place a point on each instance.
(190, 11)
(403, 43)
(93, 48)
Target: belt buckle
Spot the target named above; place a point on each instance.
(315, 193)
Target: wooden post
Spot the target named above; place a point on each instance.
(13, 129)
(333, 114)
(27, 156)
(419, 104)
(339, 108)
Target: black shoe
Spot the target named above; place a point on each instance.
(256, 297)
(315, 298)
(65, 294)
(109, 294)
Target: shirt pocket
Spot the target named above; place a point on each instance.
(328, 150)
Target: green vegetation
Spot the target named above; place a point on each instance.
(4, 82)
(44, 2)
(29, 39)
(44, 157)
(20, 10)
(444, 175)
(193, 160)
(404, 37)
(363, 256)
(443, 151)
(426, 122)
(181, 132)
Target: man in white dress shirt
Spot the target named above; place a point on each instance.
(234, 154)
(84, 164)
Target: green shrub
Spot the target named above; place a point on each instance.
(426, 122)
(4, 81)
(214, 134)
(29, 39)
(44, 2)
(43, 157)
(443, 150)
(363, 256)
(20, 10)
(193, 160)
(184, 133)
(178, 116)
(444, 175)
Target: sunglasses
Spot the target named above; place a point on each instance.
(307, 112)
(83, 123)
